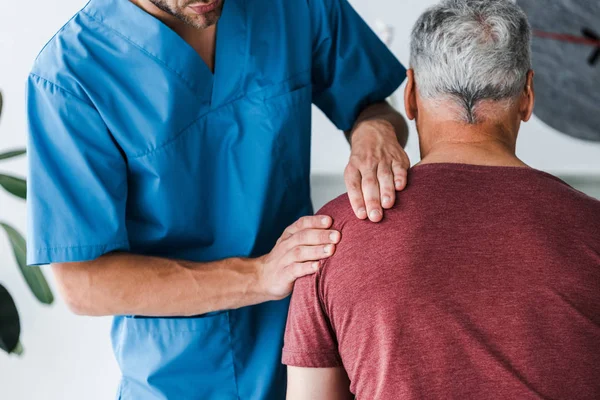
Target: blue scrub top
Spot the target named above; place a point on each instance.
(136, 146)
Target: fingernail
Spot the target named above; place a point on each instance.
(362, 211)
(387, 200)
(315, 266)
(329, 249)
(333, 236)
(398, 184)
(375, 214)
(325, 221)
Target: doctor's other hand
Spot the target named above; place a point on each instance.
(377, 169)
(296, 254)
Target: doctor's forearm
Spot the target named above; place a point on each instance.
(126, 284)
(384, 113)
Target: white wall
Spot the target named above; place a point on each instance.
(69, 357)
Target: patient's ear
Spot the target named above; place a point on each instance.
(527, 98)
(410, 96)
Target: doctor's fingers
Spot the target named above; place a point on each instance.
(400, 170)
(353, 180)
(301, 254)
(387, 190)
(304, 223)
(310, 237)
(299, 270)
(371, 193)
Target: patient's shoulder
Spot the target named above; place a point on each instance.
(339, 209)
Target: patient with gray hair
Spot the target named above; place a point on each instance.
(483, 281)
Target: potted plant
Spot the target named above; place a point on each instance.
(10, 327)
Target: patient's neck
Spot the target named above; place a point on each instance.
(485, 143)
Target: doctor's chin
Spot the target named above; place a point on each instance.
(300, 199)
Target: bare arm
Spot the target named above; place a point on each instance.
(318, 384)
(382, 112)
(127, 284)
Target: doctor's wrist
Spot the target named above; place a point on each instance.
(258, 281)
(255, 286)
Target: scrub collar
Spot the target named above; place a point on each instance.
(154, 38)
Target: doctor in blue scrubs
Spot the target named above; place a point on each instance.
(169, 187)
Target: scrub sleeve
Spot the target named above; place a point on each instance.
(78, 180)
(352, 68)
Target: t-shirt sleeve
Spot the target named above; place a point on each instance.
(352, 68)
(77, 187)
(309, 338)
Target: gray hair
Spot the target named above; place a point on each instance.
(471, 50)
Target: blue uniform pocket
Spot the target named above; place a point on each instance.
(175, 358)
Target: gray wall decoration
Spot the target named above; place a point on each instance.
(566, 59)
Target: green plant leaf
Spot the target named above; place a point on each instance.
(16, 186)
(11, 154)
(10, 326)
(33, 275)
(19, 350)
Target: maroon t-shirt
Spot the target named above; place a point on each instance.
(481, 283)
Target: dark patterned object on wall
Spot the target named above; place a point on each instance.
(566, 59)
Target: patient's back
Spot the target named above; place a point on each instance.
(481, 282)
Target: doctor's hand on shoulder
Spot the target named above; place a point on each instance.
(297, 253)
(378, 165)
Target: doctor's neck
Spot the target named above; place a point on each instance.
(181, 15)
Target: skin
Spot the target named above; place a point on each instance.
(318, 384)
(198, 30)
(378, 164)
(111, 284)
(443, 139)
(178, 12)
(492, 141)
